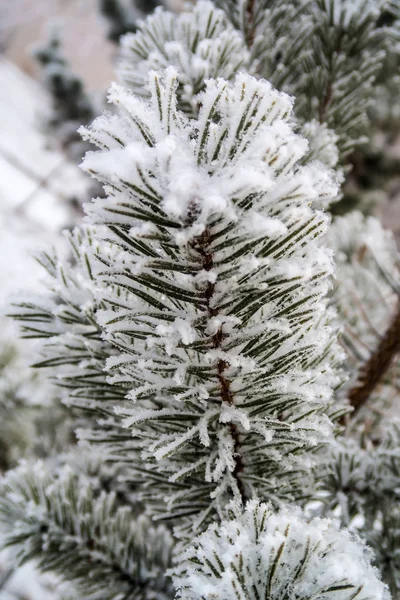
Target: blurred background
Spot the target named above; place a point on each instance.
(38, 180)
(24, 23)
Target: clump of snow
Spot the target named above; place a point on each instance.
(323, 143)
(261, 553)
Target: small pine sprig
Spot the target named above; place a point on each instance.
(346, 54)
(87, 540)
(360, 485)
(322, 143)
(276, 34)
(356, 477)
(201, 44)
(72, 347)
(265, 25)
(223, 333)
(71, 105)
(277, 555)
(327, 53)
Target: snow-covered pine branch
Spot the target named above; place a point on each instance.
(363, 476)
(190, 331)
(360, 485)
(346, 53)
(201, 44)
(262, 553)
(276, 33)
(87, 540)
(326, 53)
(222, 331)
(359, 477)
(72, 347)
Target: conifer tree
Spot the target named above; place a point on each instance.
(193, 330)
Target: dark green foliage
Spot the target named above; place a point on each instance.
(88, 540)
(71, 106)
(122, 16)
(328, 53)
(32, 422)
(361, 478)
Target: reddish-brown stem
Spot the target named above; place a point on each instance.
(251, 25)
(201, 244)
(377, 365)
(325, 103)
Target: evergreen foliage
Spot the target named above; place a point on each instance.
(266, 28)
(191, 323)
(71, 106)
(359, 480)
(327, 53)
(375, 166)
(89, 539)
(366, 297)
(223, 341)
(346, 54)
(13, 440)
(122, 16)
(72, 350)
(65, 319)
(360, 485)
(192, 328)
(201, 44)
(31, 420)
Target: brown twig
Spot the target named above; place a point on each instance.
(329, 90)
(377, 365)
(251, 17)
